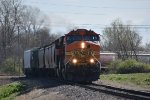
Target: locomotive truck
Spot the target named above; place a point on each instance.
(74, 56)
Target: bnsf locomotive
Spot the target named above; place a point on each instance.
(75, 57)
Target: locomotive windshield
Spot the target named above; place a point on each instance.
(91, 37)
(72, 38)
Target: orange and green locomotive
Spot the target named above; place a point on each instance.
(75, 57)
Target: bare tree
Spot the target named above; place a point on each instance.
(21, 27)
(122, 39)
(44, 37)
(147, 47)
(9, 17)
(19, 22)
(32, 22)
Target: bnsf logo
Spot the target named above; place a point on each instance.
(82, 53)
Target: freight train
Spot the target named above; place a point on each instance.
(74, 56)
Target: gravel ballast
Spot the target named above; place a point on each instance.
(52, 89)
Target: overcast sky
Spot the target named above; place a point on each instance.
(95, 14)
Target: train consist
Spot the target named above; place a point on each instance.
(74, 56)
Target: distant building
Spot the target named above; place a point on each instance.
(107, 57)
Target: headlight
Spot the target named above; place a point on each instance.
(74, 61)
(82, 45)
(92, 60)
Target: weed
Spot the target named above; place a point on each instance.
(9, 89)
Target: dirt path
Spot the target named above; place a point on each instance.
(41, 94)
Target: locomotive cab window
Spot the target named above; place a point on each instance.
(73, 38)
(93, 38)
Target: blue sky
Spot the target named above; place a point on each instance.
(94, 14)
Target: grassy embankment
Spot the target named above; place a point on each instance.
(9, 91)
(137, 79)
(128, 72)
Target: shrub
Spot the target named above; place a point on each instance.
(10, 66)
(128, 66)
(113, 66)
(7, 90)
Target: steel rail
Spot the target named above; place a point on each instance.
(126, 93)
(144, 93)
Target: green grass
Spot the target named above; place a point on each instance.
(138, 79)
(9, 91)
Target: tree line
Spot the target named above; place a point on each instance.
(22, 27)
(123, 40)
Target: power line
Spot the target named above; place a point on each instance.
(80, 13)
(101, 26)
(104, 26)
(144, 25)
(95, 7)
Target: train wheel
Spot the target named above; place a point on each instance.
(26, 73)
(57, 72)
(64, 74)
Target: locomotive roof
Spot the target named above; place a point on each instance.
(81, 32)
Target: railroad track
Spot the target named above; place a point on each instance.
(11, 77)
(126, 93)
